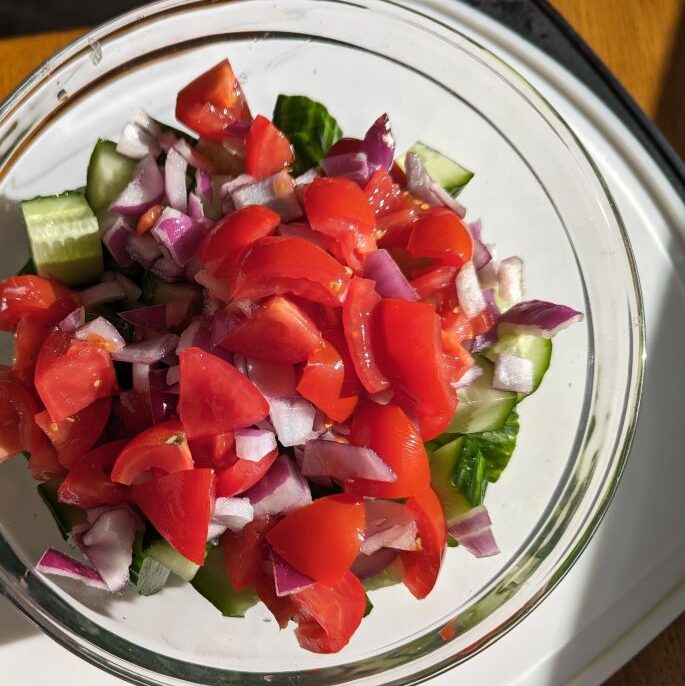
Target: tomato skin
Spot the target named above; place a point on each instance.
(241, 475)
(321, 539)
(327, 616)
(179, 506)
(222, 250)
(440, 234)
(46, 300)
(216, 451)
(245, 552)
(72, 374)
(278, 331)
(267, 150)
(387, 430)
(161, 448)
(415, 371)
(322, 383)
(76, 435)
(434, 281)
(421, 567)
(358, 307)
(28, 340)
(213, 103)
(383, 194)
(278, 266)
(343, 146)
(88, 483)
(333, 332)
(215, 397)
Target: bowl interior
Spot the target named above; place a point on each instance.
(538, 196)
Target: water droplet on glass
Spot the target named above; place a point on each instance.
(95, 51)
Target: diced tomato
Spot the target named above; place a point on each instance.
(223, 248)
(28, 340)
(72, 374)
(457, 327)
(344, 146)
(420, 568)
(267, 150)
(216, 451)
(148, 219)
(277, 266)
(396, 229)
(88, 483)
(321, 539)
(273, 379)
(335, 334)
(213, 104)
(358, 307)
(387, 430)
(338, 208)
(383, 194)
(441, 235)
(241, 475)
(161, 449)
(281, 608)
(46, 300)
(179, 506)
(398, 175)
(278, 331)
(215, 397)
(246, 551)
(327, 616)
(415, 371)
(133, 413)
(435, 281)
(74, 436)
(322, 382)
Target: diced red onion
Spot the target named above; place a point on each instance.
(343, 461)
(510, 279)
(175, 181)
(281, 490)
(379, 145)
(131, 289)
(148, 352)
(101, 293)
(73, 320)
(178, 235)
(390, 281)
(103, 329)
(366, 566)
(274, 380)
(308, 176)
(513, 373)
(141, 377)
(351, 165)
(145, 121)
(115, 236)
(58, 564)
(145, 190)
(469, 294)
(196, 210)
(218, 289)
(157, 317)
(293, 419)
(144, 249)
(203, 184)
(229, 513)
(421, 185)
(487, 275)
(388, 525)
(276, 192)
(168, 270)
(286, 578)
(254, 445)
(472, 374)
(135, 142)
(473, 531)
(187, 338)
(481, 253)
(491, 302)
(192, 156)
(538, 318)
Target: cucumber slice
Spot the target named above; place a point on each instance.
(158, 292)
(212, 582)
(66, 516)
(64, 239)
(390, 576)
(480, 406)
(444, 464)
(450, 175)
(537, 349)
(108, 174)
(146, 575)
(164, 553)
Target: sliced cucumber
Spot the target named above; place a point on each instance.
(146, 575)
(108, 174)
(158, 292)
(164, 553)
(66, 516)
(212, 582)
(64, 239)
(444, 463)
(450, 175)
(390, 576)
(480, 406)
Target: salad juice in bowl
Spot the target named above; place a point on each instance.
(285, 363)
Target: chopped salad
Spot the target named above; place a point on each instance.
(267, 358)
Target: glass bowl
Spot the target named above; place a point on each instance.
(539, 195)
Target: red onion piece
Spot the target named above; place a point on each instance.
(481, 253)
(487, 275)
(281, 490)
(144, 249)
(196, 210)
(141, 377)
(538, 318)
(388, 525)
(157, 317)
(286, 578)
(203, 183)
(191, 155)
(308, 176)
(473, 531)
(276, 192)
(188, 337)
(135, 142)
(513, 373)
(510, 280)
(178, 235)
(175, 181)
(103, 329)
(390, 281)
(101, 293)
(468, 377)
(343, 461)
(293, 419)
(274, 380)
(58, 564)
(421, 185)
(254, 445)
(132, 290)
(469, 294)
(115, 235)
(73, 320)
(145, 190)
(366, 566)
(218, 289)
(148, 352)
(229, 513)
(351, 165)
(168, 270)
(379, 145)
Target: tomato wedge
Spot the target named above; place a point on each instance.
(246, 551)
(383, 194)
(241, 475)
(46, 300)
(321, 539)
(28, 340)
(277, 266)
(132, 413)
(179, 506)
(327, 616)
(72, 374)
(322, 382)
(415, 371)
(216, 451)
(267, 150)
(358, 307)
(75, 436)
(162, 448)
(215, 397)
(441, 235)
(223, 248)
(420, 568)
(387, 430)
(278, 331)
(213, 104)
(88, 483)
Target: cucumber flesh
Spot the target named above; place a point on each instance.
(480, 406)
(450, 175)
(443, 463)
(66, 516)
(389, 576)
(109, 172)
(64, 238)
(212, 582)
(158, 292)
(164, 553)
(146, 575)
